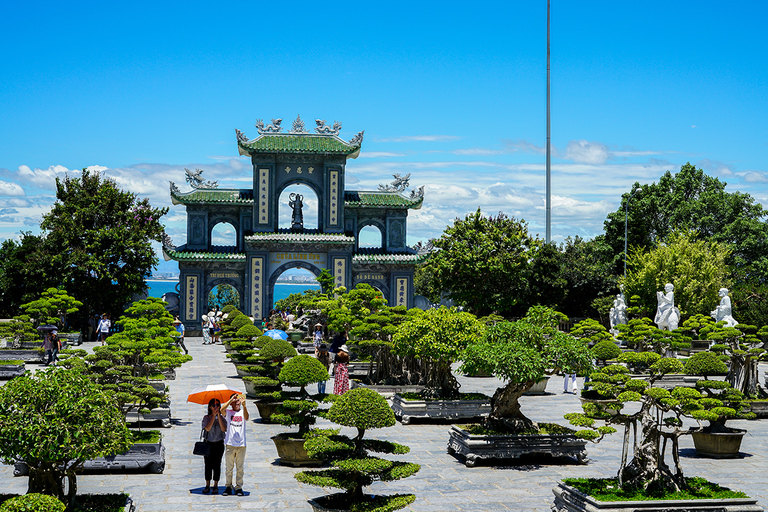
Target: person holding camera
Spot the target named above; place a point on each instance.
(234, 442)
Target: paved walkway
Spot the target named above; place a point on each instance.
(443, 484)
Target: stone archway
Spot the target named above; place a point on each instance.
(234, 283)
(314, 188)
(371, 223)
(270, 291)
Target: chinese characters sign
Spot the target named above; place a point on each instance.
(257, 279)
(333, 212)
(401, 291)
(263, 196)
(190, 300)
(339, 271)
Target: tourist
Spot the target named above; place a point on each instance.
(341, 371)
(235, 442)
(51, 344)
(103, 328)
(215, 430)
(324, 357)
(211, 326)
(317, 337)
(338, 340)
(264, 323)
(572, 378)
(180, 336)
(206, 333)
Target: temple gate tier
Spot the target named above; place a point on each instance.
(263, 250)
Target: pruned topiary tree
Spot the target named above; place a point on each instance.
(352, 466)
(277, 350)
(300, 371)
(249, 331)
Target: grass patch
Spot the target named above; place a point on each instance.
(607, 489)
(91, 502)
(146, 436)
(462, 396)
(544, 429)
(12, 362)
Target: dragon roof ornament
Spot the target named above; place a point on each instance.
(327, 130)
(167, 242)
(241, 138)
(357, 140)
(174, 188)
(195, 180)
(270, 128)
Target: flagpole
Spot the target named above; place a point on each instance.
(549, 169)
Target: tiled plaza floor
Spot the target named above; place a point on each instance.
(443, 484)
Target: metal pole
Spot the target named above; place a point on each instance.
(549, 169)
(626, 217)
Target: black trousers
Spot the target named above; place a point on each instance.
(213, 460)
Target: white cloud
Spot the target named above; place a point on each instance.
(582, 151)
(755, 177)
(44, 178)
(10, 189)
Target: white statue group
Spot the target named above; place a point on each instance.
(667, 314)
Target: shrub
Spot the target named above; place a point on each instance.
(261, 341)
(705, 364)
(228, 309)
(277, 349)
(249, 331)
(606, 350)
(33, 503)
(302, 370)
(240, 321)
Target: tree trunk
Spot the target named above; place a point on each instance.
(46, 479)
(505, 409)
(743, 374)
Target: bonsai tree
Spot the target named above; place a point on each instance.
(656, 424)
(54, 421)
(437, 337)
(522, 353)
(300, 371)
(727, 402)
(352, 466)
(249, 331)
(277, 350)
(605, 351)
(642, 335)
(52, 307)
(743, 348)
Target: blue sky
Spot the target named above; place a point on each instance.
(452, 92)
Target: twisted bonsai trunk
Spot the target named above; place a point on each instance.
(506, 415)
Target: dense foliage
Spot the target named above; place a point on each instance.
(33, 503)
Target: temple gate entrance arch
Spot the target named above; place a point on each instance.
(277, 272)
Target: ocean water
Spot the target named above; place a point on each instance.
(282, 290)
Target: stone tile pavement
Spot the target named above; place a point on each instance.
(443, 484)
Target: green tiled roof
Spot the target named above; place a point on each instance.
(307, 143)
(215, 254)
(374, 199)
(328, 238)
(365, 256)
(213, 196)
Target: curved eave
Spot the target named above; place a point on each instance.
(252, 146)
(189, 198)
(300, 239)
(390, 259)
(201, 256)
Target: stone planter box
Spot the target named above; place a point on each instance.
(71, 338)
(305, 347)
(295, 336)
(539, 388)
(673, 380)
(266, 410)
(568, 499)
(28, 356)
(405, 410)
(359, 369)
(169, 374)
(159, 385)
(719, 445)
(141, 456)
(389, 391)
(475, 447)
(320, 504)
(252, 390)
(9, 371)
(759, 408)
(160, 414)
(292, 453)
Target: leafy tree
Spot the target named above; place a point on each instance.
(485, 264)
(54, 421)
(521, 354)
(691, 200)
(326, 280)
(587, 266)
(99, 238)
(437, 337)
(225, 295)
(696, 268)
(25, 269)
(52, 307)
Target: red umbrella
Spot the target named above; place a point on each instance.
(202, 396)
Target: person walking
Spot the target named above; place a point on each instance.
(234, 441)
(103, 328)
(180, 336)
(317, 337)
(215, 427)
(324, 357)
(341, 371)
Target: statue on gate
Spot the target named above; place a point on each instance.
(296, 203)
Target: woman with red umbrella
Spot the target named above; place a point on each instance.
(215, 427)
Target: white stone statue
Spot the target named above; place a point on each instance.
(618, 313)
(723, 311)
(667, 315)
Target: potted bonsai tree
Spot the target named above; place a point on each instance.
(437, 337)
(266, 389)
(716, 439)
(352, 466)
(299, 371)
(520, 353)
(645, 479)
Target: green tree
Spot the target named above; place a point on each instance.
(484, 264)
(54, 421)
(695, 267)
(588, 270)
(224, 295)
(691, 200)
(437, 337)
(25, 269)
(99, 240)
(52, 307)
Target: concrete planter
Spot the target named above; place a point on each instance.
(28, 356)
(291, 451)
(389, 391)
(539, 388)
(295, 336)
(9, 371)
(159, 385)
(141, 456)
(304, 347)
(266, 410)
(252, 389)
(324, 504)
(405, 410)
(475, 447)
(672, 380)
(160, 414)
(719, 445)
(759, 408)
(568, 499)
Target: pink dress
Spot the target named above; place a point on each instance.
(341, 379)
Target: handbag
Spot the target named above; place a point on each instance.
(202, 447)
